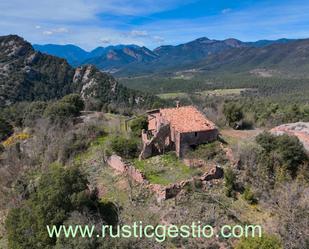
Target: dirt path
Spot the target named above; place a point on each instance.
(240, 134)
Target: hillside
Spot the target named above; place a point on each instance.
(114, 58)
(73, 54)
(27, 75)
(133, 59)
(107, 58)
(230, 56)
(289, 59)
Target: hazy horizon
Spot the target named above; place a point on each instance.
(120, 44)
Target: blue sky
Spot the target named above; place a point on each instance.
(152, 23)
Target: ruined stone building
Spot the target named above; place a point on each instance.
(176, 129)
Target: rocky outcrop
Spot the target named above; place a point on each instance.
(299, 129)
(214, 173)
(28, 75)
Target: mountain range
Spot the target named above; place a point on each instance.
(104, 57)
(127, 59)
(29, 75)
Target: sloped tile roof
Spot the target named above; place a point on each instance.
(187, 119)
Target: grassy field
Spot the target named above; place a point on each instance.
(217, 92)
(165, 169)
(172, 95)
(222, 92)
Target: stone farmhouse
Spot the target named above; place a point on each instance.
(178, 129)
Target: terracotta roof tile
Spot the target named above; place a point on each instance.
(187, 119)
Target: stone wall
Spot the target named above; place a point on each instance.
(194, 162)
(157, 144)
(162, 192)
(187, 139)
(170, 191)
(117, 163)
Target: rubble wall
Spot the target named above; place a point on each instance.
(117, 163)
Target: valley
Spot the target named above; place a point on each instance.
(72, 140)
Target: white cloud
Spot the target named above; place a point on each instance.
(158, 39)
(80, 22)
(81, 10)
(139, 33)
(46, 32)
(61, 30)
(55, 31)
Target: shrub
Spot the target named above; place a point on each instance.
(76, 141)
(265, 242)
(232, 113)
(14, 114)
(267, 141)
(33, 112)
(124, 147)
(138, 124)
(248, 195)
(5, 129)
(69, 106)
(59, 192)
(229, 179)
(16, 138)
(1, 148)
(76, 101)
(210, 151)
(282, 152)
(59, 111)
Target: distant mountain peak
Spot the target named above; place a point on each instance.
(115, 58)
(201, 39)
(233, 42)
(28, 75)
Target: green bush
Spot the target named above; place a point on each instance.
(59, 111)
(75, 142)
(265, 242)
(248, 195)
(138, 124)
(59, 192)
(124, 147)
(33, 112)
(209, 151)
(282, 152)
(69, 106)
(76, 101)
(229, 181)
(15, 113)
(5, 129)
(58, 195)
(233, 113)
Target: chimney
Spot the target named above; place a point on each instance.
(177, 104)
